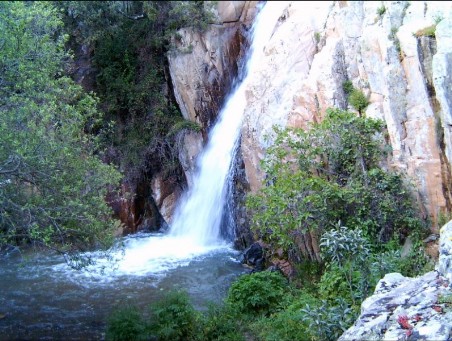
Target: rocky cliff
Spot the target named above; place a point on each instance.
(397, 53)
(404, 308)
(387, 50)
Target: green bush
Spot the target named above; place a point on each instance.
(429, 31)
(327, 174)
(173, 318)
(381, 10)
(125, 324)
(260, 293)
(184, 124)
(220, 323)
(53, 182)
(358, 100)
(288, 324)
(328, 321)
(347, 86)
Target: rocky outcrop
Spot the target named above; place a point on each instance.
(253, 256)
(165, 191)
(204, 65)
(445, 255)
(189, 145)
(134, 206)
(382, 48)
(404, 308)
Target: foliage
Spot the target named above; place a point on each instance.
(129, 40)
(381, 10)
(317, 37)
(184, 125)
(426, 32)
(356, 97)
(343, 245)
(347, 86)
(327, 174)
(125, 324)
(347, 252)
(358, 100)
(287, 324)
(416, 262)
(326, 321)
(52, 181)
(173, 318)
(257, 293)
(220, 323)
(307, 274)
(444, 218)
(383, 263)
(445, 298)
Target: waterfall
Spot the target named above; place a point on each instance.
(199, 213)
(195, 230)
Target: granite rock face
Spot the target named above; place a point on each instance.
(445, 253)
(204, 65)
(404, 72)
(404, 308)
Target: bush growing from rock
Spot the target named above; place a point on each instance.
(358, 100)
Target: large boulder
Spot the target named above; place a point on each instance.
(445, 253)
(403, 308)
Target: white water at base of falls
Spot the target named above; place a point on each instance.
(195, 231)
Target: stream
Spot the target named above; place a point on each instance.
(42, 298)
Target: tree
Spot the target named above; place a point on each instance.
(327, 174)
(52, 180)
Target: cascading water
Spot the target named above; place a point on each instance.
(196, 225)
(198, 217)
(44, 299)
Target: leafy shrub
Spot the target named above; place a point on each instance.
(358, 100)
(383, 263)
(356, 97)
(184, 124)
(381, 10)
(341, 282)
(329, 173)
(429, 31)
(347, 86)
(347, 275)
(257, 293)
(344, 245)
(326, 321)
(416, 262)
(174, 318)
(288, 324)
(53, 182)
(220, 323)
(125, 324)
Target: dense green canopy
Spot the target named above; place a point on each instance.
(52, 180)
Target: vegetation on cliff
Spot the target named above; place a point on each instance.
(127, 43)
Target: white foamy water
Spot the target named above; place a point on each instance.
(143, 255)
(195, 231)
